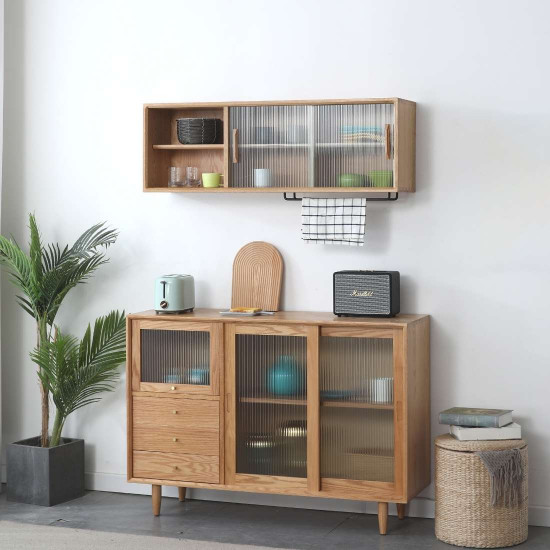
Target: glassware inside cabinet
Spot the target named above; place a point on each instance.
(271, 146)
(357, 408)
(271, 405)
(354, 145)
(175, 357)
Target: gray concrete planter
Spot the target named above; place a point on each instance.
(45, 476)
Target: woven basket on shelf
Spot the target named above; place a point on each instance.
(464, 515)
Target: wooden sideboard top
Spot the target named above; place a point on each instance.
(290, 317)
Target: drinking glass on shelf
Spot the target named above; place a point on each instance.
(192, 176)
(175, 177)
(381, 390)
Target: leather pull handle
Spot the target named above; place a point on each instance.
(388, 141)
(228, 402)
(235, 145)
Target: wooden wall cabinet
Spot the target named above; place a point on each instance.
(308, 146)
(296, 403)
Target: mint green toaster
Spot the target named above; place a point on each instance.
(174, 294)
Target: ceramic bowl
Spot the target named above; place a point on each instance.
(350, 180)
(198, 376)
(381, 178)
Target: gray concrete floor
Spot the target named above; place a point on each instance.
(239, 523)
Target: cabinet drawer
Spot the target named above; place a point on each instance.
(177, 467)
(178, 425)
(177, 412)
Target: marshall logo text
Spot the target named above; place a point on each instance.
(367, 293)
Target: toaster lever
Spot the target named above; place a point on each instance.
(163, 283)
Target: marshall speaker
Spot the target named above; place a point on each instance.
(366, 293)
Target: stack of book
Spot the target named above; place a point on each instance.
(480, 424)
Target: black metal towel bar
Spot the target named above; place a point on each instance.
(388, 198)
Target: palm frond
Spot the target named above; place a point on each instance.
(49, 272)
(19, 267)
(52, 255)
(92, 239)
(35, 252)
(76, 372)
(26, 305)
(59, 282)
(15, 260)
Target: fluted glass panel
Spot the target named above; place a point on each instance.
(271, 405)
(356, 385)
(273, 146)
(175, 357)
(354, 145)
(313, 146)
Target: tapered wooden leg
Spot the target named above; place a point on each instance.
(157, 493)
(181, 493)
(382, 517)
(401, 510)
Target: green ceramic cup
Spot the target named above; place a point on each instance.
(211, 179)
(350, 180)
(381, 178)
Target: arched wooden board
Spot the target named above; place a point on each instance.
(257, 277)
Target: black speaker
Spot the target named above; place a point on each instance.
(366, 293)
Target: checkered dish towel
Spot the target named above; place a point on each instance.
(334, 221)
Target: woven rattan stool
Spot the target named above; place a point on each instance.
(463, 512)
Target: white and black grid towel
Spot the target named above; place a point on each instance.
(334, 221)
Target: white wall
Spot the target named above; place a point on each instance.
(1, 144)
(471, 244)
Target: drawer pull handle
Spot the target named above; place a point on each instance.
(172, 388)
(174, 412)
(176, 468)
(175, 439)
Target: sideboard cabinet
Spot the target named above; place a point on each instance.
(359, 146)
(293, 403)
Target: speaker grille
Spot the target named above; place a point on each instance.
(348, 288)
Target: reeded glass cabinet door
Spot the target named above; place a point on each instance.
(271, 146)
(299, 146)
(268, 384)
(360, 388)
(176, 357)
(354, 145)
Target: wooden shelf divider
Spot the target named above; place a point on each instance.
(357, 405)
(327, 403)
(274, 400)
(198, 147)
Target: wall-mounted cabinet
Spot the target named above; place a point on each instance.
(328, 146)
(295, 403)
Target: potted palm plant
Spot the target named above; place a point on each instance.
(48, 470)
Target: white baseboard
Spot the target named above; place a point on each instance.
(418, 507)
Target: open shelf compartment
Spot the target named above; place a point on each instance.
(162, 148)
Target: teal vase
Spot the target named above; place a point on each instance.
(285, 377)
